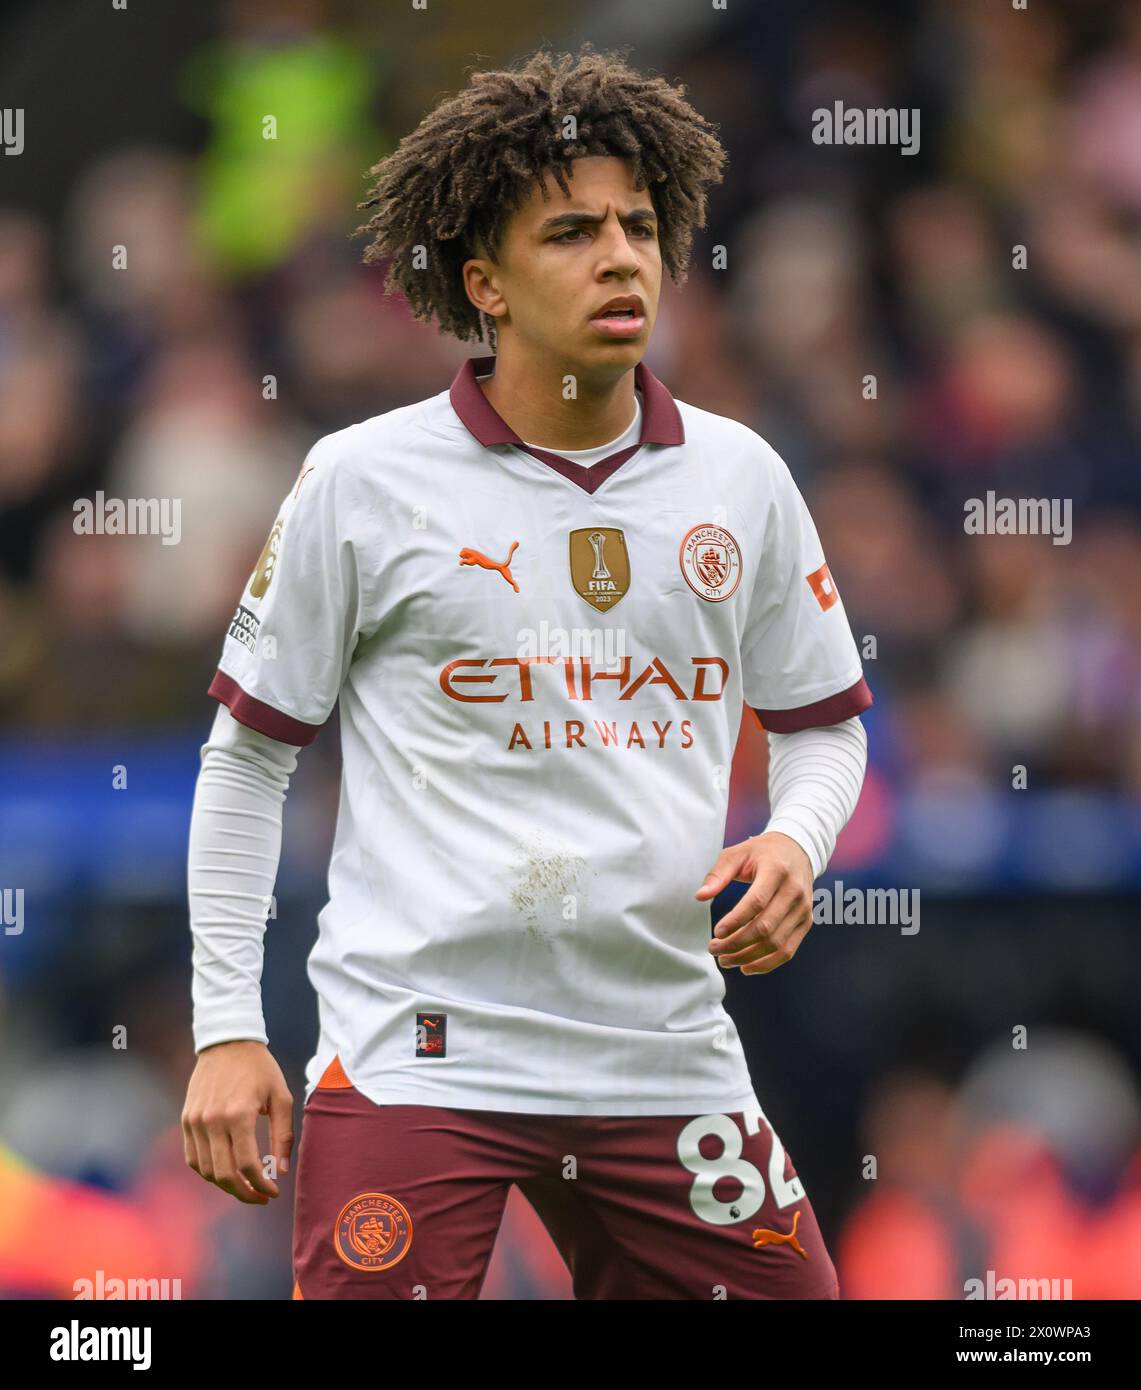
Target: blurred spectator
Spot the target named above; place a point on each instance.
(1032, 1170)
(190, 319)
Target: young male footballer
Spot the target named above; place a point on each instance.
(514, 970)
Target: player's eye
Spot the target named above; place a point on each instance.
(645, 228)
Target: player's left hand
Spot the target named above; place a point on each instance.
(767, 926)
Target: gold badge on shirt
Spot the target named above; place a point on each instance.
(267, 560)
(599, 565)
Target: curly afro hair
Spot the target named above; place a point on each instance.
(453, 183)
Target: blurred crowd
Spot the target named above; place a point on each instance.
(204, 367)
(844, 263)
(909, 332)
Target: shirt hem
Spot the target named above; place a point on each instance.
(469, 1100)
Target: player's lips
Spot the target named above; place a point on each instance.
(621, 317)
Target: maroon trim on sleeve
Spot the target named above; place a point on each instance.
(832, 710)
(257, 715)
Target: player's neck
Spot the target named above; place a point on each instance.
(527, 392)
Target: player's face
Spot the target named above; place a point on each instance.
(563, 259)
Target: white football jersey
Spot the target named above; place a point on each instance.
(540, 669)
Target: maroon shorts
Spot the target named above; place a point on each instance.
(405, 1201)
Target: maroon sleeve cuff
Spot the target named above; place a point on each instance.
(833, 710)
(257, 715)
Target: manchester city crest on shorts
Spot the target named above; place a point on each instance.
(373, 1231)
(711, 561)
(599, 565)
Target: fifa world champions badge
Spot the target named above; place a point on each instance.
(373, 1231)
(711, 561)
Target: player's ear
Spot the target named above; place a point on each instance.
(481, 285)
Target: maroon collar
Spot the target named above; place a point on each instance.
(661, 422)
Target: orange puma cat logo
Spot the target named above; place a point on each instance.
(762, 1236)
(476, 557)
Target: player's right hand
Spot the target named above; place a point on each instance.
(234, 1083)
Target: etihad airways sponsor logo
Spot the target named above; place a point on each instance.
(578, 678)
(575, 733)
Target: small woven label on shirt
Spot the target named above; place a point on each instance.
(431, 1035)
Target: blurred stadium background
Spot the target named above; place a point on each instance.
(143, 128)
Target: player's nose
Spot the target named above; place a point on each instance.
(615, 253)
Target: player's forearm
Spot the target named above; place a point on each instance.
(815, 777)
(234, 849)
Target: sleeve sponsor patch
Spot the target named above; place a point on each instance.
(244, 626)
(823, 587)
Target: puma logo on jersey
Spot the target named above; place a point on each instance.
(477, 557)
(762, 1236)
